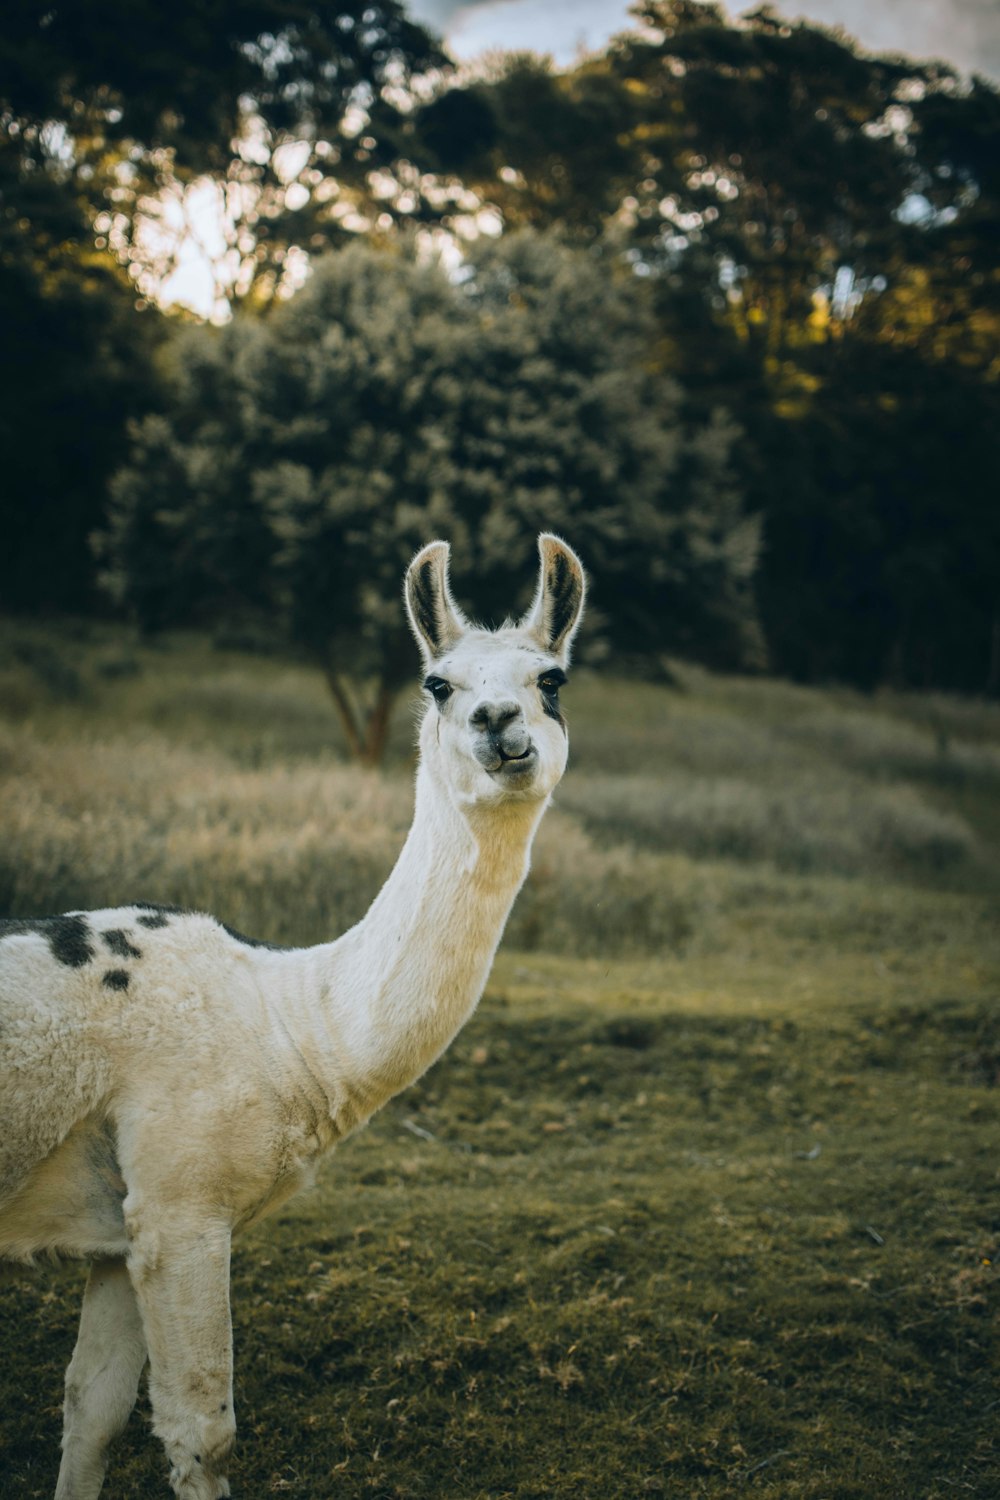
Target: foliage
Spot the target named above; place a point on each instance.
(711, 132)
(284, 105)
(816, 228)
(820, 230)
(544, 147)
(77, 365)
(304, 458)
(103, 106)
(883, 536)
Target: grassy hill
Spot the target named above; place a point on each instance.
(701, 1203)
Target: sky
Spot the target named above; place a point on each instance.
(965, 33)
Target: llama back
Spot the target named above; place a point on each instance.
(70, 987)
(90, 1000)
(51, 1075)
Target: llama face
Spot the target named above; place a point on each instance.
(494, 727)
(494, 723)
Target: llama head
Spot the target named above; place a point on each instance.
(493, 727)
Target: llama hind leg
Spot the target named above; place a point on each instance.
(102, 1379)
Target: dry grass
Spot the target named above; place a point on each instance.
(214, 780)
(295, 853)
(289, 852)
(814, 821)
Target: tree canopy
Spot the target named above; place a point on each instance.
(746, 353)
(106, 112)
(303, 459)
(821, 230)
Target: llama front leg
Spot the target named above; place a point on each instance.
(181, 1278)
(102, 1379)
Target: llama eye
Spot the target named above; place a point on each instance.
(551, 682)
(439, 690)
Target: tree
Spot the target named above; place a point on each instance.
(104, 104)
(76, 366)
(79, 365)
(752, 159)
(289, 107)
(881, 549)
(302, 460)
(819, 229)
(545, 147)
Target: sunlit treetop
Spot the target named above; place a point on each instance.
(185, 82)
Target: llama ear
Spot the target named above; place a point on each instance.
(436, 620)
(557, 607)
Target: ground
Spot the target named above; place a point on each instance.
(703, 1200)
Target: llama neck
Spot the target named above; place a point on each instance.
(400, 984)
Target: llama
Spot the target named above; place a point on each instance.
(165, 1081)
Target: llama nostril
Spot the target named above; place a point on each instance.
(494, 717)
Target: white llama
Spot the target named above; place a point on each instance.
(164, 1081)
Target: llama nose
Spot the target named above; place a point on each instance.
(494, 717)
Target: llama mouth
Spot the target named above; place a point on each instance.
(497, 761)
(515, 765)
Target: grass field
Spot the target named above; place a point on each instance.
(703, 1202)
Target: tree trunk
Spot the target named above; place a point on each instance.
(366, 730)
(377, 728)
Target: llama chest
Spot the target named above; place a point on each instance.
(227, 1115)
